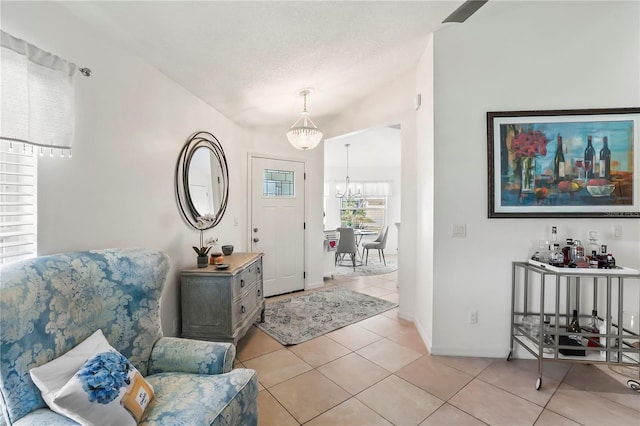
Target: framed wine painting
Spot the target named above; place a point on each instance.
(564, 163)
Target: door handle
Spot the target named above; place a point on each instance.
(255, 240)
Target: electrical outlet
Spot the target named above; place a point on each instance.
(459, 230)
(473, 317)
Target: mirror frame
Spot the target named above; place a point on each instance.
(185, 203)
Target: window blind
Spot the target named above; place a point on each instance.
(18, 202)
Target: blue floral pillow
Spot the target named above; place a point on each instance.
(107, 390)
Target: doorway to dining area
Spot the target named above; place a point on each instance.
(362, 186)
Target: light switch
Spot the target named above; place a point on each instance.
(617, 231)
(459, 230)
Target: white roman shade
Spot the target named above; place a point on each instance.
(37, 95)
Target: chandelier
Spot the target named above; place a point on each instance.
(303, 134)
(348, 194)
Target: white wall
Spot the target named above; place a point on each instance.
(118, 188)
(521, 56)
(425, 195)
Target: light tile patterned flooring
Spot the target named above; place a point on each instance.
(378, 372)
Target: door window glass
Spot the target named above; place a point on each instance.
(278, 183)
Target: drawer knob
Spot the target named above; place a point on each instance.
(243, 309)
(255, 240)
(241, 283)
(259, 292)
(258, 269)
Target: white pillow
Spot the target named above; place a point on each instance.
(94, 384)
(107, 390)
(52, 376)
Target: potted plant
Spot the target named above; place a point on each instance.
(202, 223)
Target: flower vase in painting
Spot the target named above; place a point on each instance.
(527, 174)
(525, 147)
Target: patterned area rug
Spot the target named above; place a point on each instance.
(300, 318)
(344, 268)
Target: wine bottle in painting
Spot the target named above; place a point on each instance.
(605, 159)
(589, 153)
(558, 162)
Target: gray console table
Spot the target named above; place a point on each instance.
(221, 304)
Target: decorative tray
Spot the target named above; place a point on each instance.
(618, 270)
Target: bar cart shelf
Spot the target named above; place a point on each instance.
(541, 291)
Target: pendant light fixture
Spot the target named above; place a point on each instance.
(304, 134)
(348, 194)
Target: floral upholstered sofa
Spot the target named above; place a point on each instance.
(49, 304)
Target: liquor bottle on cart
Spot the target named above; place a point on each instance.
(547, 338)
(593, 327)
(579, 259)
(556, 258)
(602, 257)
(567, 251)
(611, 261)
(574, 327)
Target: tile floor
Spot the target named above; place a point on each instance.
(378, 372)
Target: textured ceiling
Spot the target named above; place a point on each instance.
(249, 59)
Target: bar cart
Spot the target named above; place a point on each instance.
(542, 300)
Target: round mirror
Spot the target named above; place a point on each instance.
(202, 180)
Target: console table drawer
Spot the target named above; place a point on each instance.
(246, 278)
(246, 307)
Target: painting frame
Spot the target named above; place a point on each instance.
(564, 186)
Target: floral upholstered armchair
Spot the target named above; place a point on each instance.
(50, 304)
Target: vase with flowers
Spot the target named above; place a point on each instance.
(526, 146)
(202, 223)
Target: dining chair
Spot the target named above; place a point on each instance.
(378, 244)
(346, 245)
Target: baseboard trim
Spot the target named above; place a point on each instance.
(314, 285)
(469, 352)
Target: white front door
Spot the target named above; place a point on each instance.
(277, 222)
